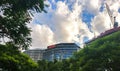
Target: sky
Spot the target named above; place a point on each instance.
(72, 21)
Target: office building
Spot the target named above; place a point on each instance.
(60, 51)
(35, 54)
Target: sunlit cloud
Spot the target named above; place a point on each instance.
(66, 21)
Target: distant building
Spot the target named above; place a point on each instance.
(35, 54)
(60, 51)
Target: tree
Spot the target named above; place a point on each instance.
(12, 59)
(102, 54)
(14, 18)
(42, 65)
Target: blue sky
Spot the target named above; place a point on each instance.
(68, 19)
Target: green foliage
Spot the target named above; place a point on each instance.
(15, 16)
(42, 65)
(53, 66)
(13, 27)
(100, 55)
(11, 59)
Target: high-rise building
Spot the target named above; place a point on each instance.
(35, 54)
(60, 51)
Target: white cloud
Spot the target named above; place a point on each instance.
(68, 23)
(65, 25)
(102, 22)
(114, 5)
(92, 6)
(62, 8)
(42, 36)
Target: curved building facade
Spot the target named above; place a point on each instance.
(60, 51)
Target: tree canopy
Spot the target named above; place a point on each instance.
(102, 54)
(13, 18)
(12, 59)
(14, 33)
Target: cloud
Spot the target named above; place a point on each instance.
(68, 23)
(63, 22)
(42, 36)
(91, 6)
(102, 22)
